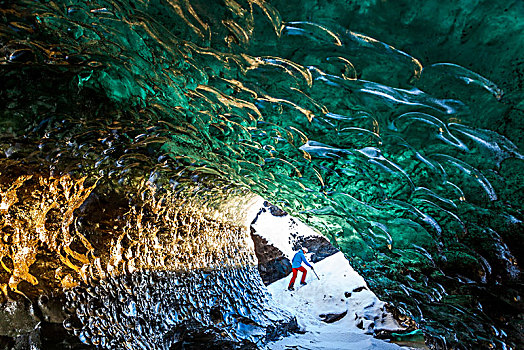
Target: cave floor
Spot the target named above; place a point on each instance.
(339, 290)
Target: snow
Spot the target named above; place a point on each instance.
(331, 338)
(339, 289)
(281, 231)
(325, 296)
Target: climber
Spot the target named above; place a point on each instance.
(296, 265)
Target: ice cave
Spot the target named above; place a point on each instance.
(161, 162)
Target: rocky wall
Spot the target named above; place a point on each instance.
(124, 267)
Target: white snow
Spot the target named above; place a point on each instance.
(326, 296)
(281, 231)
(334, 293)
(332, 338)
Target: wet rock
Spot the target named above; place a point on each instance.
(17, 318)
(30, 340)
(36, 326)
(282, 329)
(192, 336)
(216, 315)
(334, 317)
(51, 309)
(213, 309)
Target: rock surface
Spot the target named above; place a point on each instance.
(272, 264)
(334, 317)
(17, 318)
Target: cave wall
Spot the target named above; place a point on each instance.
(124, 266)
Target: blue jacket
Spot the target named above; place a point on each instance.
(298, 258)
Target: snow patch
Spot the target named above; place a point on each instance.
(340, 289)
(282, 231)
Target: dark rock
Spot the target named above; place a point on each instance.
(272, 264)
(370, 305)
(274, 270)
(191, 335)
(264, 251)
(334, 317)
(275, 211)
(319, 246)
(55, 336)
(17, 318)
(51, 309)
(282, 329)
(359, 289)
(347, 294)
(409, 333)
(45, 336)
(245, 320)
(6, 343)
(216, 315)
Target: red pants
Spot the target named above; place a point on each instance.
(295, 271)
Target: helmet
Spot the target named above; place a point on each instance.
(304, 249)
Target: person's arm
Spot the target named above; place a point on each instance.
(305, 260)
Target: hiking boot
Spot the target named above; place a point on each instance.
(303, 283)
(290, 288)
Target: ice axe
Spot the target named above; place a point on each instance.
(315, 272)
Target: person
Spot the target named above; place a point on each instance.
(296, 265)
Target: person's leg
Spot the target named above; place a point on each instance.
(304, 273)
(292, 282)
